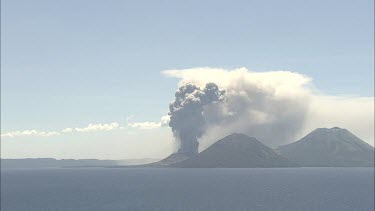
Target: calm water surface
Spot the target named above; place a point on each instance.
(188, 189)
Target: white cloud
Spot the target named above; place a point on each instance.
(67, 130)
(151, 125)
(164, 121)
(145, 125)
(28, 133)
(98, 127)
(89, 128)
(283, 82)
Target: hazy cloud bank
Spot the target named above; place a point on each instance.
(89, 128)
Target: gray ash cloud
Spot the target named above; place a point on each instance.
(186, 114)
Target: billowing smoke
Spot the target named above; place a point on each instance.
(186, 114)
(257, 112)
(276, 107)
(269, 106)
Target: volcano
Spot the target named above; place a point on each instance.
(329, 147)
(235, 151)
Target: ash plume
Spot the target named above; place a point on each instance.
(186, 114)
(276, 107)
(271, 106)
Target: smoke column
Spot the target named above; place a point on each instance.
(186, 114)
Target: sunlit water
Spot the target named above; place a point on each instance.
(188, 189)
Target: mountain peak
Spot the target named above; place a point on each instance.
(237, 137)
(329, 134)
(333, 129)
(329, 147)
(236, 151)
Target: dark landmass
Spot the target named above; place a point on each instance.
(236, 151)
(335, 147)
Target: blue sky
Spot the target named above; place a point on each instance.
(72, 63)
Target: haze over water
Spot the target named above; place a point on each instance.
(187, 189)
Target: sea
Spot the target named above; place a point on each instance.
(175, 189)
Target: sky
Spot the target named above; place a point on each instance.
(69, 64)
